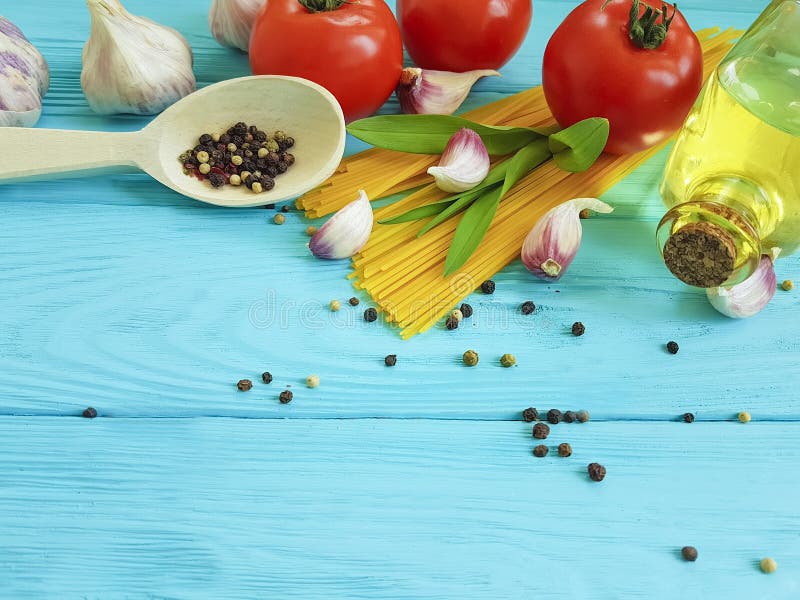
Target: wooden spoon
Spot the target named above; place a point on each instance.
(304, 110)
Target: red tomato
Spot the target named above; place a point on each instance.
(592, 68)
(465, 35)
(354, 51)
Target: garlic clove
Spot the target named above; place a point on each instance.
(132, 64)
(231, 21)
(464, 162)
(554, 241)
(346, 232)
(747, 298)
(24, 78)
(428, 92)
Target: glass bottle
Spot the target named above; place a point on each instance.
(732, 181)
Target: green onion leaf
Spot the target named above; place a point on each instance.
(472, 229)
(524, 161)
(577, 147)
(465, 199)
(429, 134)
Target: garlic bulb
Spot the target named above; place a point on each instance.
(232, 21)
(427, 92)
(464, 162)
(24, 78)
(554, 241)
(346, 232)
(747, 298)
(132, 64)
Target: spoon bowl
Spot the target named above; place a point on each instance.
(301, 108)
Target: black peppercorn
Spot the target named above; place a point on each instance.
(564, 450)
(541, 431)
(530, 414)
(390, 360)
(451, 323)
(488, 287)
(583, 416)
(225, 138)
(353, 301)
(527, 307)
(570, 417)
(216, 179)
(689, 553)
(240, 128)
(244, 385)
(260, 136)
(540, 451)
(288, 142)
(466, 310)
(554, 416)
(273, 158)
(286, 208)
(370, 315)
(205, 138)
(281, 166)
(578, 328)
(267, 183)
(287, 158)
(597, 472)
(672, 347)
(89, 413)
(688, 418)
(266, 377)
(286, 397)
(272, 171)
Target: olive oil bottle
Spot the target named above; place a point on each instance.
(732, 181)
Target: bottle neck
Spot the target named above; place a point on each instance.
(715, 238)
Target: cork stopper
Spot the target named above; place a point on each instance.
(701, 254)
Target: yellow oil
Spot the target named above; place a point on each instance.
(740, 145)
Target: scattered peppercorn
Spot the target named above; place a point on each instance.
(582, 415)
(554, 416)
(451, 323)
(672, 347)
(244, 385)
(541, 431)
(286, 208)
(597, 472)
(312, 381)
(311, 230)
(744, 417)
(569, 417)
(508, 360)
(584, 214)
(578, 328)
(470, 358)
(466, 310)
(457, 315)
(279, 218)
(266, 377)
(353, 301)
(787, 285)
(564, 450)
(527, 307)
(335, 305)
(768, 565)
(540, 451)
(689, 553)
(286, 396)
(89, 413)
(688, 418)
(530, 414)
(488, 287)
(390, 360)
(370, 315)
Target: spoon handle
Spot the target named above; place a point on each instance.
(38, 153)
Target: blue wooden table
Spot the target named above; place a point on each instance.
(411, 482)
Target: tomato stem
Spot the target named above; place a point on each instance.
(644, 30)
(315, 6)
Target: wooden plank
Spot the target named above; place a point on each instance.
(235, 508)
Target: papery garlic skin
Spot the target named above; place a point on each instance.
(132, 64)
(464, 162)
(747, 298)
(553, 242)
(346, 232)
(428, 92)
(231, 21)
(24, 78)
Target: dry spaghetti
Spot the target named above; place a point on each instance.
(403, 273)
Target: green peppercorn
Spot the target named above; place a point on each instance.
(787, 285)
(335, 305)
(235, 180)
(768, 565)
(202, 156)
(204, 168)
(470, 358)
(262, 153)
(508, 360)
(278, 219)
(236, 160)
(312, 381)
(744, 417)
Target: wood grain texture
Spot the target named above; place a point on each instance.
(233, 508)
